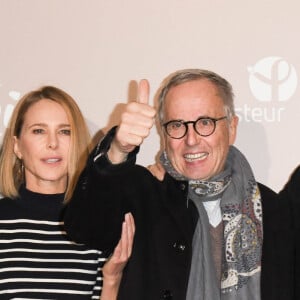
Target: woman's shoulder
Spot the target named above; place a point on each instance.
(8, 207)
(6, 201)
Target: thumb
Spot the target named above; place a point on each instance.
(143, 91)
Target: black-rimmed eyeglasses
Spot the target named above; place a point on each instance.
(204, 126)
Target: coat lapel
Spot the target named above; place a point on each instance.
(182, 210)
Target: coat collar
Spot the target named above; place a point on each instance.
(182, 210)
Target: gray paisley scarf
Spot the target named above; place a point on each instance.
(242, 222)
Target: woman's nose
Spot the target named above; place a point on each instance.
(52, 142)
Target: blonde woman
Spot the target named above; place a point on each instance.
(44, 149)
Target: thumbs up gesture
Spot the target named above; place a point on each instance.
(136, 123)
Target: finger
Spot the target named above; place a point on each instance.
(130, 226)
(133, 223)
(130, 232)
(130, 220)
(126, 238)
(143, 91)
(126, 241)
(122, 245)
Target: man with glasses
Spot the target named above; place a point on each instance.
(199, 232)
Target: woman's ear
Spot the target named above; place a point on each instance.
(16, 148)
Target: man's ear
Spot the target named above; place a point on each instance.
(233, 124)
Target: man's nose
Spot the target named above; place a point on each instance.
(192, 136)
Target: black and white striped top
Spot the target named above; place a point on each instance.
(37, 261)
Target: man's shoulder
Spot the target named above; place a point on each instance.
(292, 185)
(266, 192)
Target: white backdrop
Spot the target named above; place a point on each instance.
(97, 49)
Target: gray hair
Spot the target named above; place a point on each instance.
(186, 75)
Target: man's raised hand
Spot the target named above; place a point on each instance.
(136, 123)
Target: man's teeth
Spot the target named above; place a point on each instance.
(196, 156)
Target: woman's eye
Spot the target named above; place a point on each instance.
(66, 131)
(38, 131)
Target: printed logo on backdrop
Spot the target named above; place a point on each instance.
(8, 101)
(272, 81)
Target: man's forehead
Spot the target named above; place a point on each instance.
(193, 102)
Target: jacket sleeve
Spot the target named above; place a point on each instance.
(95, 212)
(290, 196)
(278, 246)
